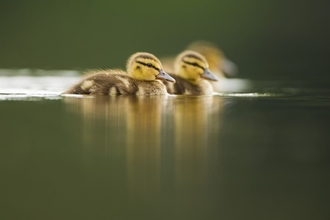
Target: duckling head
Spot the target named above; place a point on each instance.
(192, 66)
(216, 59)
(210, 51)
(146, 66)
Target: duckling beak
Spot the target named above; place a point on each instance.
(164, 76)
(208, 75)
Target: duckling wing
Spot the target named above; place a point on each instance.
(104, 83)
(113, 84)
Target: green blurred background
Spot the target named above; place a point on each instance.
(267, 39)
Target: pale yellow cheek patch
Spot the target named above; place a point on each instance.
(87, 85)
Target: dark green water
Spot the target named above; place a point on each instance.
(228, 156)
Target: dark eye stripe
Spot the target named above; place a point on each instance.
(148, 65)
(193, 64)
(193, 56)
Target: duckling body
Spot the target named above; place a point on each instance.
(143, 72)
(191, 75)
(185, 87)
(110, 82)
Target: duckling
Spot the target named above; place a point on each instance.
(143, 72)
(191, 70)
(219, 64)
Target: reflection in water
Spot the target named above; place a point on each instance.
(192, 133)
(165, 158)
(130, 124)
(228, 156)
(185, 157)
(138, 128)
(143, 147)
(103, 118)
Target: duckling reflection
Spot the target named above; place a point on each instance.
(126, 126)
(103, 121)
(131, 135)
(144, 120)
(196, 123)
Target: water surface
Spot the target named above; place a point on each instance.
(258, 150)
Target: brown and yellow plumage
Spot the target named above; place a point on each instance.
(143, 72)
(191, 75)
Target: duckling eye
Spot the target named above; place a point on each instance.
(149, 65)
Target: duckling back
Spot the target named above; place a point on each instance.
(115, 82)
